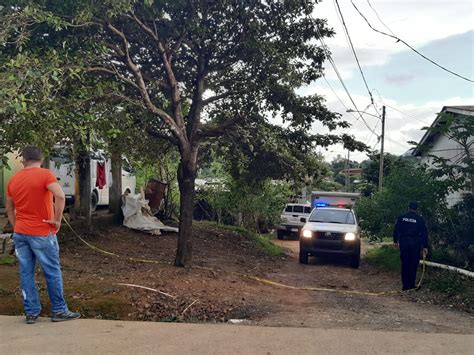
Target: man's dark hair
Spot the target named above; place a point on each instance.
(32, 153)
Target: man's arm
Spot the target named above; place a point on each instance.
(59, 203)
(10, 207)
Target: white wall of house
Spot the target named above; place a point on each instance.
(448, 149)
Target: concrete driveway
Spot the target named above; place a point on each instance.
(87, 336)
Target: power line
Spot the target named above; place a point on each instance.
(398, 110)
(376, 14)
(409, 46)
(389, 139)
(344, 105)
(371, 131)
(399, 144)
(335, 94)
(353, 50)
(349, 41)
(368, 139)
(348, 94)
(406, 114)
(333, 64)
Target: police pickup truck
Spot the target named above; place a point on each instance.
(331, 231)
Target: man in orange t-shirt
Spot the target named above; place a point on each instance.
(36, 220)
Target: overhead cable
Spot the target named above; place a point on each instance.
(333, 64)
(353, 50)
(406, 114)
(380, 20)
(409, 46)
(399, 110)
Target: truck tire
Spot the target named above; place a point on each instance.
(355, 261)
(303, 256)
(280, 234)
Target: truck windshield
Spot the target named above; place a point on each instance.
(298, 209)
(61, 156)
(332, 216)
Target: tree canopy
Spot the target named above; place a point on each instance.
(191, 70)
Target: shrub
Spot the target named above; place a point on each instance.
(450, 283)
(385, 257)
(405, 183)
(459, 227)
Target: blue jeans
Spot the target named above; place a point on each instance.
(28, 249)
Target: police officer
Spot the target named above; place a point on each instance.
(410, 236)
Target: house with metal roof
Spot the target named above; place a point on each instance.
(440, 145)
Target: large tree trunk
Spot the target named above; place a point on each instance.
(47, 162)
(472, 183)
(83, 186)
(186, 180)
(115, 190)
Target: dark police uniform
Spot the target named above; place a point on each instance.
(411, 234)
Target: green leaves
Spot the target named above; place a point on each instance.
(406, 182)
(455, 163)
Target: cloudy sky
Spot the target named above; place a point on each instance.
(412, 89)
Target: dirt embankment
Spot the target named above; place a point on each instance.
(91, 285)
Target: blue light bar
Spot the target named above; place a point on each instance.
(321, 204)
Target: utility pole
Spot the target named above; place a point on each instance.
(382, 138)
(348, 165)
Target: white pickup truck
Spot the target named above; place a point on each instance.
(293, 218)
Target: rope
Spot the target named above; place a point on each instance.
(423, 270)
(110, 253)
(255, 278)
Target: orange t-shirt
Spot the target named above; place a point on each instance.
(33, 202)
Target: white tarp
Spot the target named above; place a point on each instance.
(6, 244)
(138, 215)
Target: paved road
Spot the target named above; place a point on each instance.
(98, 336)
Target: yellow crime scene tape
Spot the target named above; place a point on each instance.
(255, 278)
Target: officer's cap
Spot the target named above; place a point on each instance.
(413, 205)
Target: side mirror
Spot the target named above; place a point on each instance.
(361, 221)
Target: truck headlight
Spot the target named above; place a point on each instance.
(350, 236)
(307, 233)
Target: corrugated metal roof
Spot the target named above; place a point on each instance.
(463, 110)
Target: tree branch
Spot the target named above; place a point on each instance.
(175, 94)
(115, 72)
(207, 130)
(135, 70)
(220, 96)
(158, 135)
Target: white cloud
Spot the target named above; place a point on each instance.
(400, 127)
(346, 65)
(416, 21)
(419, 22)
